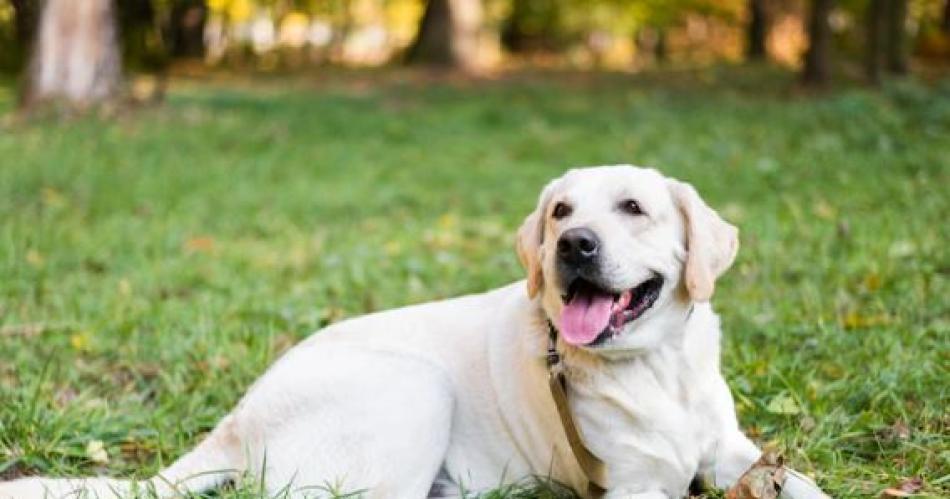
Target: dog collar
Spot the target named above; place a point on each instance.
(594, 469)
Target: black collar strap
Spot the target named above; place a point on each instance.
(553, 357)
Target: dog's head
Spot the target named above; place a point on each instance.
(619, 253)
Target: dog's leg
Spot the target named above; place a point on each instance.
(215, 460)
(736, 453)
(372, 423)
(58, 488)
(799, 486)
(625, 494)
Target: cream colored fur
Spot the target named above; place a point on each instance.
(455, 392)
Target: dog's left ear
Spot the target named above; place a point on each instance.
(528, 243)
(711, 242)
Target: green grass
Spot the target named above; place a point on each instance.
(151, 267)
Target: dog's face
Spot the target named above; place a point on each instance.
(619, 253)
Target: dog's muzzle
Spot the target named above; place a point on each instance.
(578, 256)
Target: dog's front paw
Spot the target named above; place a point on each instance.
(799, 486)
(627, 494)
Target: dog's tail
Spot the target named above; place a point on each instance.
(217, 459)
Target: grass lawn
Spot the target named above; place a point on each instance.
(153, 266)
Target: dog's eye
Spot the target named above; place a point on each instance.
(631, 207)
(561, 210)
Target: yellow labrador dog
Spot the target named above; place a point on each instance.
(434, 399)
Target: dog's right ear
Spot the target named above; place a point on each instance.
(530, 240)
(711, 242)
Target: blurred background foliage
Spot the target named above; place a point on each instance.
(585, 34)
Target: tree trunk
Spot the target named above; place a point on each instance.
(946, 16)
(448, 34)
(24, 12)
(660, 50)
(137, 23)
(874, 28)
(433, 44)
(76, 54)
(758, 30)
(818, 56)
(24, 19)
(188, 19)
(532, 26)
(896, 47)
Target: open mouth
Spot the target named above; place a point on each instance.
(592, 314)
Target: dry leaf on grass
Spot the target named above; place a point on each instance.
(24, 330)
(199, 244)
(96, 452)
(907, 488)
(762, 481)
(897, 431)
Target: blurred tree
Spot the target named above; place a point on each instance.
(886, 43)
(895, 18)
(758, 30)
(532, 26)
(186, 27)
(660, 50)
(448, 34)
(76, 54)
(946, 17)
(874, 33)
(663, 27)
(25, 16)
(433, 44)
(818, 56)
(142, 45)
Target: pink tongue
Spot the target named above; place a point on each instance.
(585, 317)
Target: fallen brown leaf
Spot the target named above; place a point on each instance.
(16, 470)
(25, 330)
(282, 342)
(64, 396)
(200, 244)
(763, 480)
(897, 431)
(907, 488)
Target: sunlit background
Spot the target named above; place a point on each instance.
(491, 35)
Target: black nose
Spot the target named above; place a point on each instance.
(578, 246)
